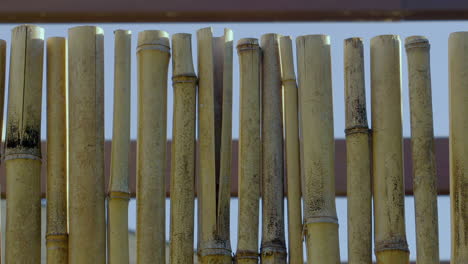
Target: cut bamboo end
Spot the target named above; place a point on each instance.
(287, 60)
(182, 62)
(416, 42)
(153, 40)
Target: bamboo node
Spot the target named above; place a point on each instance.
(357, 130)
(184, 79)
(391, 244)
(214, 247)
(293, 80)
(32, 156)
(246, 254)
(271, 248)
(416, 42)
(56, 237)
(320, 219)
(119, 195)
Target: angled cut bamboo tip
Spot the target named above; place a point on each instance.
(315, 95)
(184, 83)
(249, 150)
(153, 53)
(387, 151)
(359, 186)
(86, 145)
(22, 150)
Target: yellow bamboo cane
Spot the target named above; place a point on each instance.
(2, 99)
(316, 122)
(249, 150)
(423, 153)
(359, 186)
(184, 82)
(153, 53)
(23, 146)
(57, 153)
(387, 142)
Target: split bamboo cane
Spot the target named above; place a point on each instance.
(359, 186)
(23, 146)
(458, 64)
(387, 141)
(57, 153)
(2, 100)
(153, 53)
(249, 150)
(316, 122)
(273, 247)
(184, 82)
(296, 255)
(119, 194)
(423, 153)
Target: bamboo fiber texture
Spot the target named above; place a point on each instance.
(315, 93)
(359, 186)
(153, 53)
(423, 153)
(87, 226)
(119, 193)
(249, 150)
(2, 95)
(57, 151)
(184, 82)
(387, 151)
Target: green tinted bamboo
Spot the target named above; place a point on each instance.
(87, 226)
(359, 186)
(119, 193)
(215, 114)
(249, 150)
(296, 254)
(57, 154)
(458, 63)
(387, 142)
(423, 153)
(23, 146)
(316, 122)
(2, 99)
(153, 53)
(184, 82)
(273, 247)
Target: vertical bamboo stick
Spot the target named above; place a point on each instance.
(57, 154)
(458, 61)
(292, 152)
(215, 110)
(119, 194)
(359, 186)
(23, 146)
(423, 153)
(273, 248)
(249, 150)
(387, 142)
(153, 53)
(87, 226)
(315, 93)
(184, 82)
(2, 102)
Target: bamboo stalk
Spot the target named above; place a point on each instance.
(423, 153)
(57, 154)
(273, 247)
(183, 150)
(458, 59)
(215, 119)
(249, 150)
(119, 194)
(316, 122)
(359, 186)
(23, 149)
(2, 101)
(387, 142)
(293, 165)
(87, 226)
(153, 53)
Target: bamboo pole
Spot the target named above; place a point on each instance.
(316, 122)
(249, 150)
(387, 142)
(293, 165)
(359, 186)
(119, 194)
(2, 101)
(57, 153)
(423, 153)
(273, 247)
(153, 53)
(458, 59)
(87, 226)
(23, 146)
(214, 119)
(184, 82)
